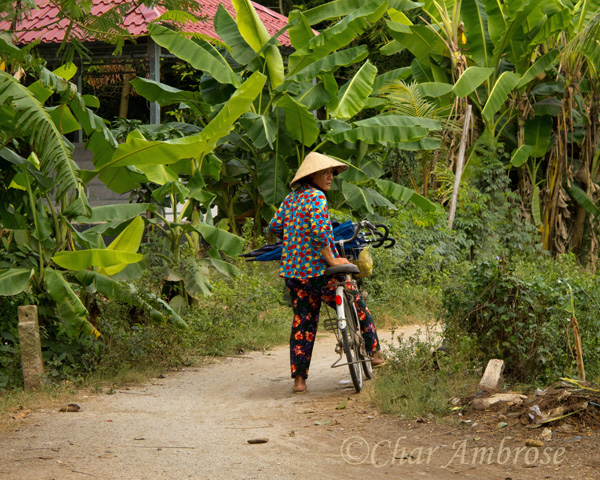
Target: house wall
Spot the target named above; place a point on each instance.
(98, 193)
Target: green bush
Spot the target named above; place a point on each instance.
(518, 312)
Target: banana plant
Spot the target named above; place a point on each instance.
(271, 137)
(43, 198)
(530, 71)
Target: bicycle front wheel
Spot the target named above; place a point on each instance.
(351, 345)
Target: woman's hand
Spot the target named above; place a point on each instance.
(330, 259)
(339, 261)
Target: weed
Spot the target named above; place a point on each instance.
(420, 378)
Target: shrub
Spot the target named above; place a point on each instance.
(517, 312)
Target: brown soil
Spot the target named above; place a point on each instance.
(236, 419)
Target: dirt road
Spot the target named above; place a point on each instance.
(196, 424)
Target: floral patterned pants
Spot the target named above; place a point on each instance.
(306, 296)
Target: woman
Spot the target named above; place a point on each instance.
(303, 222)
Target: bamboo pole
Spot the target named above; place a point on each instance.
(459, 166)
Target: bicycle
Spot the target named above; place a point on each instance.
(345, 325)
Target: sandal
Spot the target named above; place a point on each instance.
(377, 360)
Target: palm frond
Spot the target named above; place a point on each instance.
(179, 16)
(406, 99)
(33, 124)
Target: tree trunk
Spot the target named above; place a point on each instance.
(459, 167)
(125, 92)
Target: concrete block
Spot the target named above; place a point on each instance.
(492, 380)
(31, 346)
(484, 403)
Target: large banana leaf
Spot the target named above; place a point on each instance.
(330, 63)
(55, 152)
(94, 257)
(220, 265)
(299, 31)
(390, 77)
(315, 97)
(421, 41)
(540, 65)
(357, 197)
(14, 280)
(502, 89)
(337, 36)
(434, 89)
(521, 155)
(272, 179)
(339, 8)
(63, 118)
(199, 54)
(474, 16)
(107, 213)
(374, 135)
(536, 209)
(227, 28)
(393, 129)
(69, 308)
(403, 194)
(261, 129)
(136, 151)
(231, 244)
(195, 281)
(43, 92)
(584, 200)
(471, 78)
(128, 240)
(352, 96)
(363, 199)
(164, 94)
(509, 32)
(538, 133)
(255, 33)
(301, 124)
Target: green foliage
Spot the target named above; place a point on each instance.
(515, 310)
(420, 379)
(10, 352)
(243, 313)
(489, 220)
(406, 280)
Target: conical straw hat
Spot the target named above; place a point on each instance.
(315, 162)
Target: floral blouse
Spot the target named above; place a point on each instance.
(303, 222)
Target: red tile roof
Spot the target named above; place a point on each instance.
(40, 24)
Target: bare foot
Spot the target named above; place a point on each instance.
(299, 384)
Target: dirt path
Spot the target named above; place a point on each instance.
(196, 424)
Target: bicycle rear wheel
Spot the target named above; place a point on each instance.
(351, 346)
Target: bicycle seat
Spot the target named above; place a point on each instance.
(346, 268)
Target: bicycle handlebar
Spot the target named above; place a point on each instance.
(379, 238)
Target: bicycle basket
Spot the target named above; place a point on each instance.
(364, 262)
